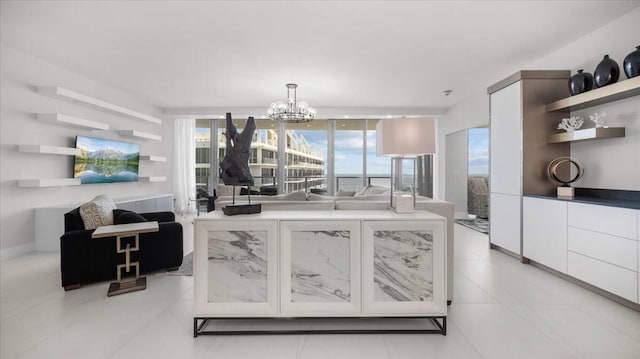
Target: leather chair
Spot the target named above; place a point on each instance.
(86, 260)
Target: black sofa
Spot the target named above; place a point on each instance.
(86, 260)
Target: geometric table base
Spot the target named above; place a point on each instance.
(127, 286)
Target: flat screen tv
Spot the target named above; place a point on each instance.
(106, 161)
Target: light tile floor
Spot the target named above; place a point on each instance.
(502, 309)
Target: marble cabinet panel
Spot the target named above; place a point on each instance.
(236, 268)
(403, 266)
(237, 264)
(320, 267)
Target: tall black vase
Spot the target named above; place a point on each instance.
(631, 64)
(607, 72)
(580, 82)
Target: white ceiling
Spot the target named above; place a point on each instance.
(342, 54)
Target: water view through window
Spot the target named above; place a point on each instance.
(306, 155)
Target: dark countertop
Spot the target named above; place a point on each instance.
(602, 197)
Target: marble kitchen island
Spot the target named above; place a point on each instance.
(322, 264)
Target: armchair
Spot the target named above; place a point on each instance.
(85, 260)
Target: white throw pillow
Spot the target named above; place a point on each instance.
(97, 212)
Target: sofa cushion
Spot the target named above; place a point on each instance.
(121, 216)
(293, 196)
(371, 190)
(97, 212)
(342, 193)
(318, 197)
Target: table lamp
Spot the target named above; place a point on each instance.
(403, 139)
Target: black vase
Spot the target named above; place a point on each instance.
(607, 72)
(631, 63)
(580, 82)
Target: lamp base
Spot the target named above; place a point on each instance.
(402, 203)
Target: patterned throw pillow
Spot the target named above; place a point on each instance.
(97, 212)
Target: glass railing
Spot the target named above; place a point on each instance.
(308, 184)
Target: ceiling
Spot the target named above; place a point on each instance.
(368, 54)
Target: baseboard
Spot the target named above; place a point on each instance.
(17, 251)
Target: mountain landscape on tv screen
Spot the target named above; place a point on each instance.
(106, 161)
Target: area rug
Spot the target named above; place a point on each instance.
(186, 268)
(478, 224)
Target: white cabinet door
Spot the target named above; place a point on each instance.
(404, 268)
(504, 219)
(320, 268)
(609, 277)
(235, 269)
(604, 247)
(506, 140)
(544, 238)
(621, 222)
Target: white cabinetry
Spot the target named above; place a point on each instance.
(505, 221)
(596, 244)
(545, 232)
(518, 129)
(321, 263)
(506, 142)
(602, 247)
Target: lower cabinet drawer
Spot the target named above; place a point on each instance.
(610, 249)
(609, 277)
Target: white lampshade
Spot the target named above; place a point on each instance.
(405, 137)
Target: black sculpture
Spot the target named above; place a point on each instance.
(235, 165)
(234, 168)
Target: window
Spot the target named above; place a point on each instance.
(349, 155)
(306, 156)
(203, 153)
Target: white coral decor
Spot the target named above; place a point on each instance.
(570, 124)
(598, 119)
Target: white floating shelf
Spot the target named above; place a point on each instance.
(72, 121)
(49, 149)
(138, 134)
(69, 95)
(587, 134)
(49, 182)
(153, 158)
(152, 179)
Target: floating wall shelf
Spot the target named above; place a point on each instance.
(69, 95)
(72, 121)
(587, 134)
(139, 134)
(153, 179)
(153, 158)
(616, 91)
(49, 182)
(49, 150)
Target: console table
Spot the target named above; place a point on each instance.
(121, 286)
(328, 264)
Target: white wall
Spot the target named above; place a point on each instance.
(456, 177)
(20, 73)
(473, 112)
(602, 159)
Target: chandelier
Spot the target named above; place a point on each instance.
(291, 111)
